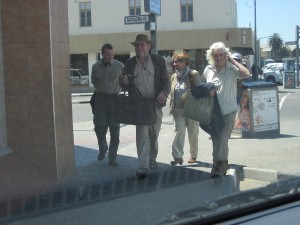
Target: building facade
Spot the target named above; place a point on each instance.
(41, 39)
(36, 127)
(191, 25)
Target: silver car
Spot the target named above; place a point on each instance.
(78, 76)
(274, 74)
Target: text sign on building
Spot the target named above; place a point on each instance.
(136, 19)
(291, 42)
(152, 6)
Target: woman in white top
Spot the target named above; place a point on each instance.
(223, 71)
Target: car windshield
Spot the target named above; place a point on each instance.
(138, 113)
(77, 72)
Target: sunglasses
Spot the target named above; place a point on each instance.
(177, 61)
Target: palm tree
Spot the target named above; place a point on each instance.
(275, 42)
(284, 52)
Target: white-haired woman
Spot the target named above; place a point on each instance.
(223, 71)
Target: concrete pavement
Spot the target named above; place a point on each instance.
(98, 188)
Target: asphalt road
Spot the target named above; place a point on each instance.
(280, 153)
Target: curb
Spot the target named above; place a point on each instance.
(81, 94)
(80, 102)
(270, 176)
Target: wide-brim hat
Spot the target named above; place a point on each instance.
(141, 38)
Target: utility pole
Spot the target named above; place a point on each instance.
(153, 7)
(153, 32)
(297, 54)
(255, 46)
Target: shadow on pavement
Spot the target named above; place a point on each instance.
(96, 182)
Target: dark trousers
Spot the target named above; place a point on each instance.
(103, 121)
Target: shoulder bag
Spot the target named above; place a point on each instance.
(134, 109)
(199, 109)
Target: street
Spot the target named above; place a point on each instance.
(281, 153)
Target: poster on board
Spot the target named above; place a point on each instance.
(242, 119)
(265, 110)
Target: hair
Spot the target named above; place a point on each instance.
(182, 56)
(216, 46)
(106, 46)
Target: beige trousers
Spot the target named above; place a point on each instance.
(181, 125)
(146, 141)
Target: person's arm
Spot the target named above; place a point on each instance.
(124, 78)
(196, 78)
(93, 76)
(244, 72)
(164, 83)
(203, 90)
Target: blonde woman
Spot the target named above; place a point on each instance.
(181, 82)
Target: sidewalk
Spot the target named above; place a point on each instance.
(98, 188)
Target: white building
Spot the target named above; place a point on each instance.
(192, 25)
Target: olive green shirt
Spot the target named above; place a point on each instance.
(105, 78)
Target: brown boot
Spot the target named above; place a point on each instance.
(192, 160)
(219, 169)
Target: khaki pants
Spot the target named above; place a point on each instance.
(181, 125)
(220, 144)
(146, 141)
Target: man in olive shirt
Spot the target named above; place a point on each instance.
(105, 78)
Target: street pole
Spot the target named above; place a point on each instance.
(153, 33)
(297, 54)
(255, 45)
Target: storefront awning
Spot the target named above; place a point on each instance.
(244, 51)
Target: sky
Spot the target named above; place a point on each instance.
(272, 16)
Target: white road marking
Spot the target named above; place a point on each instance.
(282, 100)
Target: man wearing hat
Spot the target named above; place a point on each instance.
(150, 76)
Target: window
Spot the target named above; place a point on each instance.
(186, 8)
(85, 14)
(134, 7)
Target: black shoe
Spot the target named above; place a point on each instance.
(143, 172)
(177, 161)
(113, 163)
(101, 156)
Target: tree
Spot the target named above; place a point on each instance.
(275, 42)
(284, 52)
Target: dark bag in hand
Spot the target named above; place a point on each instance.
(134, 109)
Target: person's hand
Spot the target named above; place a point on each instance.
(125, 79)
(161, 98)
(230, 59)
(212, 93)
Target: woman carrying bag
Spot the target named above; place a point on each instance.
(223, 71)
(181, 82)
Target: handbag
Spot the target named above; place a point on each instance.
(134, 109)
(199, 109)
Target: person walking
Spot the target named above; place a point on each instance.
(181, 82)
(105, 78)
(149, 74)
(223, 72)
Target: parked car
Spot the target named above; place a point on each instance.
(274, 73)
(78, 76)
